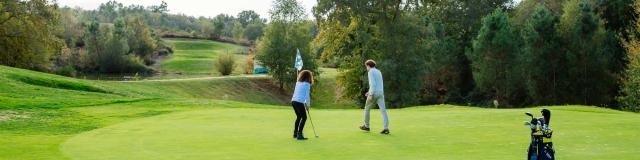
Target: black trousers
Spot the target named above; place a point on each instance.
(301, 116)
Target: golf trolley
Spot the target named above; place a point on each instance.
(541, 146)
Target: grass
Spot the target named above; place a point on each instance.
(417, 133)
(197, 57)
(44, 116)
(59, 92)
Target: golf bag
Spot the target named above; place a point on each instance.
(541, 146)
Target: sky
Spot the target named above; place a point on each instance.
(197, 8)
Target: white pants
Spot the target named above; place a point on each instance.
(371, 101)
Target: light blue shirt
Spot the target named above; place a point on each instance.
(302, 93)
(376, 86)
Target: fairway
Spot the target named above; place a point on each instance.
(196, 58)
(438, 132)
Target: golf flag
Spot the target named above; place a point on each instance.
(298, 63)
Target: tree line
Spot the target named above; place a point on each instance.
(488, 53)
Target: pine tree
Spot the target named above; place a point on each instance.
(494, 60)
(583, 34)
(630, 98)
(543, 57)
(443, 74)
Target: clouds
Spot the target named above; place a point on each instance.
(206, 8)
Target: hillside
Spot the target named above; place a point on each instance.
(29, 89)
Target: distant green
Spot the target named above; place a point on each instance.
(198, 57)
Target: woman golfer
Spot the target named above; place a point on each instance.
(300, 101)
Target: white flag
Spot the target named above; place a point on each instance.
(298, 63)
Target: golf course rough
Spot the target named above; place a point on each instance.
(443, 132)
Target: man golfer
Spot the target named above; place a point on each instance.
(375, 96)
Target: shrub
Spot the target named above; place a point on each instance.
(630, 98)
(134, 64)
(68, 71)
(225, 64)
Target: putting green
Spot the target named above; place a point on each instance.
(417, 133)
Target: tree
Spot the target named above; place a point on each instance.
(494, 60)
(218, 26)
(526, 8)
(253, 31)
(237, 31)
(630, 96)
(93, 43)
(387, 31)
(162, 8)
(223, 25)
(207, 29)
(287, 11)
(108, 49)
(283, 36)
(72, 27)
(350, 43)
(618, 16)
(443, 74)
(108, 12)
(140, 38)
(28, 32)
(248, 17)
(112, 59)
(401, 60)
(591, 80)
(461, 20)
(543, 57)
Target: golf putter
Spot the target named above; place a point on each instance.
(312, 126)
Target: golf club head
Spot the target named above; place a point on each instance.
(547, 116)
(529, 114)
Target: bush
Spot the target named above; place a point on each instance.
(630, 98)
(134, 64)
(225, 64)
(68, 71)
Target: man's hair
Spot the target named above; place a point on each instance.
(370, 63)
(305, 76)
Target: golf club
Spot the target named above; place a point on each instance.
(529, 114)
(312, 126)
